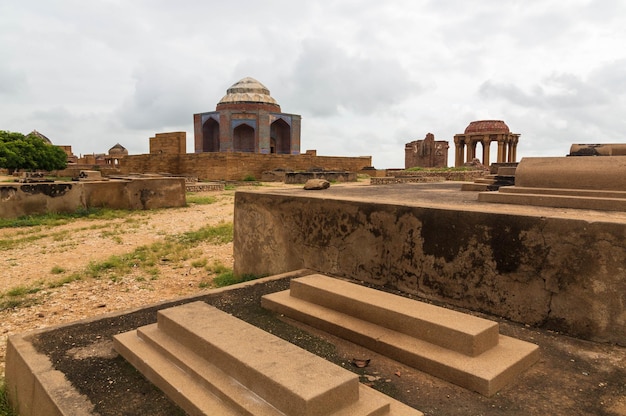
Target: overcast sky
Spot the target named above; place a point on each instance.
(366, 76)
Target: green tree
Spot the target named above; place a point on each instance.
(29, 152)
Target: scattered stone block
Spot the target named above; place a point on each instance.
(460, 348)
(316, 184)
(90, 175)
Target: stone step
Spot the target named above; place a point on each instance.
(557, 200)
(446, 328)
(203, 358)
(485, 373)
(480, 187)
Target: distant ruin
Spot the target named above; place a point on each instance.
(426, 153)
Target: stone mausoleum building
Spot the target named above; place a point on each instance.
(485, 132)
(427, 153)
(247, 119)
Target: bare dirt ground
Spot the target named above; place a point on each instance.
(39, 253)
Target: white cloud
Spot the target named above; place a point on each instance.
(367, 76)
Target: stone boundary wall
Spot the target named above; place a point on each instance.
(302, 177)
(418, 179)
(138, 193)
(236, 166)
(205, 187)
(72, 171)
(557, 273)
(464, 175)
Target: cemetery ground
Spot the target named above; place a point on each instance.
(64, 271)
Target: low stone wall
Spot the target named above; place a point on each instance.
(417, 179)
(137, 193)
(205, 186)
(559, 273)
(302, 177)
(408, 176)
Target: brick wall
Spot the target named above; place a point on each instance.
(235, 166)
(169, 143)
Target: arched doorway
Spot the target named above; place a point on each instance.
(243, 138)
(280, 134)
(211, 136)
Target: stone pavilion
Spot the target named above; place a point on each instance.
(247, 119)
(485, 132)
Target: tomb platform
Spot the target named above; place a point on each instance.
(597, 183)
(557, 268)
(73, 369)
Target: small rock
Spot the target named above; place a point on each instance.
(316, 184)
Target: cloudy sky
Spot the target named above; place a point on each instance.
(367, 76)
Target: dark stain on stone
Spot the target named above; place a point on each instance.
(144, 196)
(444, 234)
(49, 189)
(7, 193)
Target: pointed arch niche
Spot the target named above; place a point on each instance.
(280, 137)
(243, 138)
(211, 136)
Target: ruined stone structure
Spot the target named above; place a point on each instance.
(426, 153)
(247, 119)
(485, 132)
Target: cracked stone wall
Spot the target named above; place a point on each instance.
(566, 275)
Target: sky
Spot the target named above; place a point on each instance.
(366, 76)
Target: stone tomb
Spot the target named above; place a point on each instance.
(597, 183)
(211, 363)
(459, 348)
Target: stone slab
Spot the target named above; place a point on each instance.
(204, 358)
(486, 373)
(463, 333)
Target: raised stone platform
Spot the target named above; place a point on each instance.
(211, 363)
(460, 348)
(561, 269)
(597, 183)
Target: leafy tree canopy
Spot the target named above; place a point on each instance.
(29, 152)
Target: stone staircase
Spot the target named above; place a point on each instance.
(460, 348)
(505, 176)
(211, 363)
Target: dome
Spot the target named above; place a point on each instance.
(248, 90)
(118, 149)
(484, 126)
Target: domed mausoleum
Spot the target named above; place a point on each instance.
(247, 119)
(485, 132)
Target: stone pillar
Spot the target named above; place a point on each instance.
(486, 142)
(510, 152)
(514, 149)
(459, 151)
(471, 149)
(501, 150)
